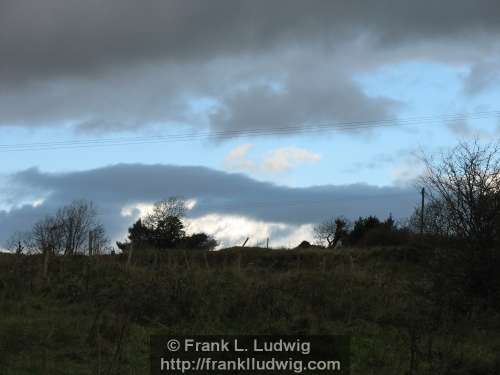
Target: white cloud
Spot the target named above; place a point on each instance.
(284, 159)
(238, 158)
(190, 204)
(275, 161)
(38, 202)
(137, 210)
(232, 230)
(142, 209)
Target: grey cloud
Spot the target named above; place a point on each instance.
(125, 64)
(483, 75)
(463, 129)
(406, 155)
(19, 219)
(316, 96)
(114, 187)
(76, 37)
(163, 95)
(121, 100)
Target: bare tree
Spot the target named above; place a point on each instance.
(465, 183)
(76, 221)
(21, 243)
(67, 231)
(165, 209)
(47, 235)
(331, 231)
(100, 241)
(436, 220)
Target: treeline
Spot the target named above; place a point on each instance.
(460, 223)
(365, 231)
(462, 210)
(73, 229)
(462, 194)
(76, 229)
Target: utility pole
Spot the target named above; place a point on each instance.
(422, 212)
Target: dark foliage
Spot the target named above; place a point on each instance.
(166, 235)
(361, 227)
(304, 245)
(198, 241)
(164, 229)
(138, 234)
(370, 231)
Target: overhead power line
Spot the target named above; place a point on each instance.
(224, 134)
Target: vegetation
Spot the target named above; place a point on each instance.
(331, 232)
(366, 231)
(66, 232)
(465, 185)
(94, 315)
(163, 229)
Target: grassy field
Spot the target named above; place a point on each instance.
(95, 315)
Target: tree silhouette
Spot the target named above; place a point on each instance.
(465, 183)
(67, 231)
(163, 228)
(331, 231)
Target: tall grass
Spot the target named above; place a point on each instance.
(95, 315)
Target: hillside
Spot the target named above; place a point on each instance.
(95, 315)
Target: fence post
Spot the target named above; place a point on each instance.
(46, 262)
(422, 212)
(129, 257)
(91, 243)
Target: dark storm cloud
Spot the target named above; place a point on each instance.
(122, 64)
(115, 187)
(64, 37)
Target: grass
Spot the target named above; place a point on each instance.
(72, 322)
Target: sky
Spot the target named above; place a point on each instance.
(268, 116)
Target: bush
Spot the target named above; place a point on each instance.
(383, 236)
(198, 241)
(370, 231)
